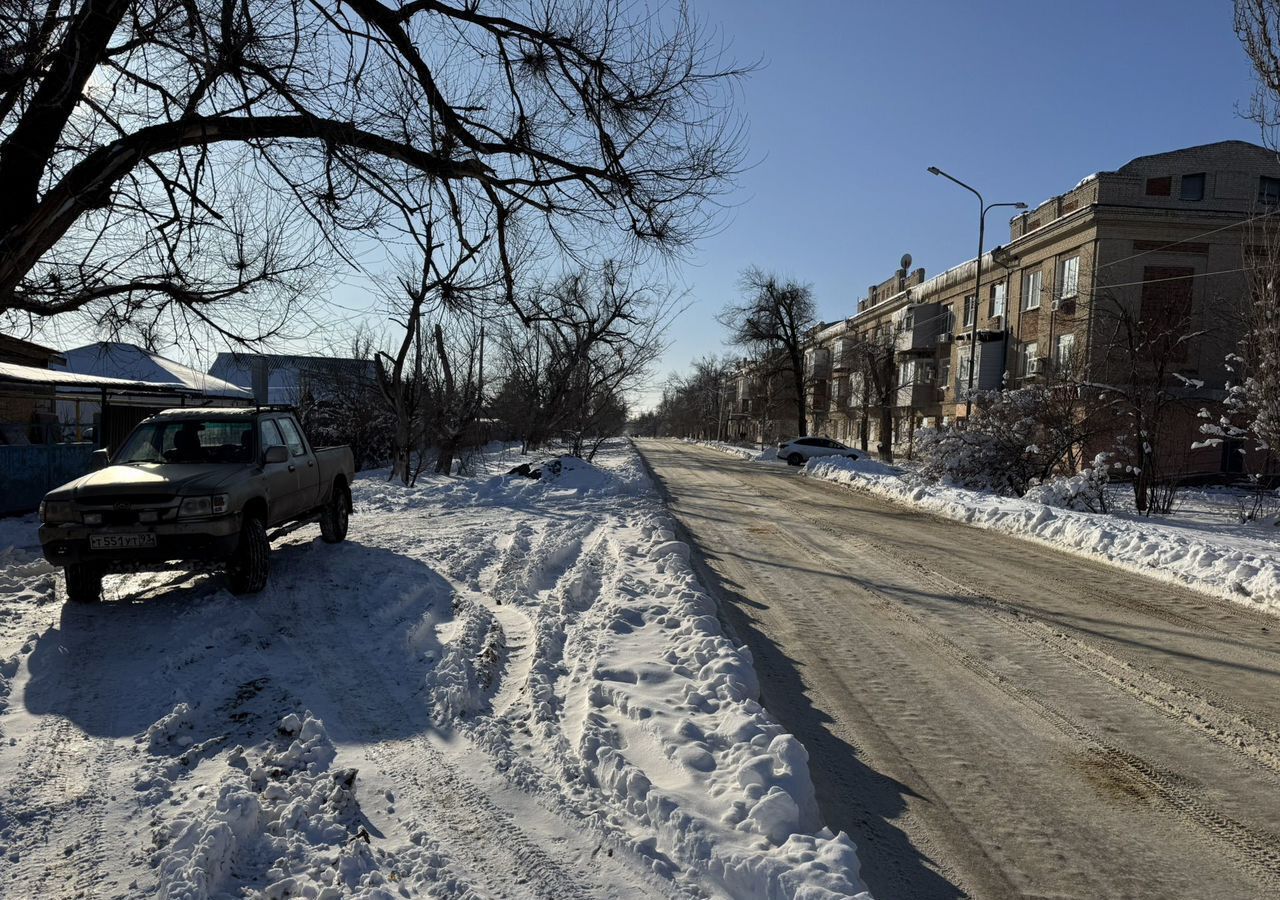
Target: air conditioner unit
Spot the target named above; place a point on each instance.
(1056, 304)
(946, 337)
(1035, 366)
(997, 321)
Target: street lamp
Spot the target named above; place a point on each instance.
(983, 209)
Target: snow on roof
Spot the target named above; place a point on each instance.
(119, 360)
(63, 378)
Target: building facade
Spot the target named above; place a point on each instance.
(1162, 238)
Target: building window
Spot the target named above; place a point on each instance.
(1269, 191)
(1031, 285)
(905, 374)
(944, 371)
(1070, 278)
(962, 375)
(1160, 187)
(1192, 187)
(1028, 364)
(999, 298)
(970, 310)
(948, 318)
(1064, 352)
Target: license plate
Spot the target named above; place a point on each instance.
(137, 541)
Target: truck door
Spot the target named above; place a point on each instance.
(282, 478)
(308, 489)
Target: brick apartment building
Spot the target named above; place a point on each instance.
(1163, 232)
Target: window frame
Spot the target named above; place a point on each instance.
(1000, 293)
(1268, 197)
(1028, 276)
(1030, 351)
(1072, 262)
(286, 426)
(1059, 362)
(1195, 177)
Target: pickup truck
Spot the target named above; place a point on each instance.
(196, 484)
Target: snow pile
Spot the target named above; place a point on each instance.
(289, 817)
(1241, 570)
(748, 453)
(1085, 491)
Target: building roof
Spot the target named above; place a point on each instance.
(14, 373)
(11, 344)
(119, 360)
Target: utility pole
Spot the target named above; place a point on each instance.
(983, 209)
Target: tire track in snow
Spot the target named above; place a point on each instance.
(1256, 851)
(470, 828)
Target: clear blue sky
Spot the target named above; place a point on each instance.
(856, 98)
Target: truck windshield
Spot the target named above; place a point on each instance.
(189, 441)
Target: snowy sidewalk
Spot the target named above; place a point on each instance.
(495, 686)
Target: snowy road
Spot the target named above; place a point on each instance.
(987, 717)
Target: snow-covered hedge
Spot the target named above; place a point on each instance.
(1234, 570)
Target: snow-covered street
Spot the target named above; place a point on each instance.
(989, 716)
(496, 687)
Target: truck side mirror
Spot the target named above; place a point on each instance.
(99, 459)
(276, 453)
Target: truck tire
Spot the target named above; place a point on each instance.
(247, 568)
(333, 518)
(84, 582)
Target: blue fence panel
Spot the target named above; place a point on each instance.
(28, 473)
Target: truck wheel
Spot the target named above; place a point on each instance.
(84, 582)
(333, 518)
(247, 568)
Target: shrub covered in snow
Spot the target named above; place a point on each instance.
(1014, 438)
(1087, 490)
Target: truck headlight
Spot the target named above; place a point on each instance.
(54, 512)
(203, 506)
(92, 518)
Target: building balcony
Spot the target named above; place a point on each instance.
(919, 329)
(920, 395)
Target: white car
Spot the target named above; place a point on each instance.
(797, 451)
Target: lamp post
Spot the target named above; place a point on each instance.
(983, 209)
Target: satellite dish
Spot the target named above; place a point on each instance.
(906, 262)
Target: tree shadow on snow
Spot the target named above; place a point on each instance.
(346, 631)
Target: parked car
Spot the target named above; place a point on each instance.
(797, 451)
(196, 485)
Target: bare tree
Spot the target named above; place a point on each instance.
(772, 323)
(874, 370)
(1144, 345)
(596, 338)
(209, 158)
(459, 391)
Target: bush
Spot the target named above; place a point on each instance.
(996, 451)
(1086, 491)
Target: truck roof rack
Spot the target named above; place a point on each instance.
(275, 407)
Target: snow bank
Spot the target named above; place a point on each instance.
(770, 454)
(587, 659)
(1241, 571)
(291, 818)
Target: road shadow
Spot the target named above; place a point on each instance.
(307, 642)
(852, 796)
